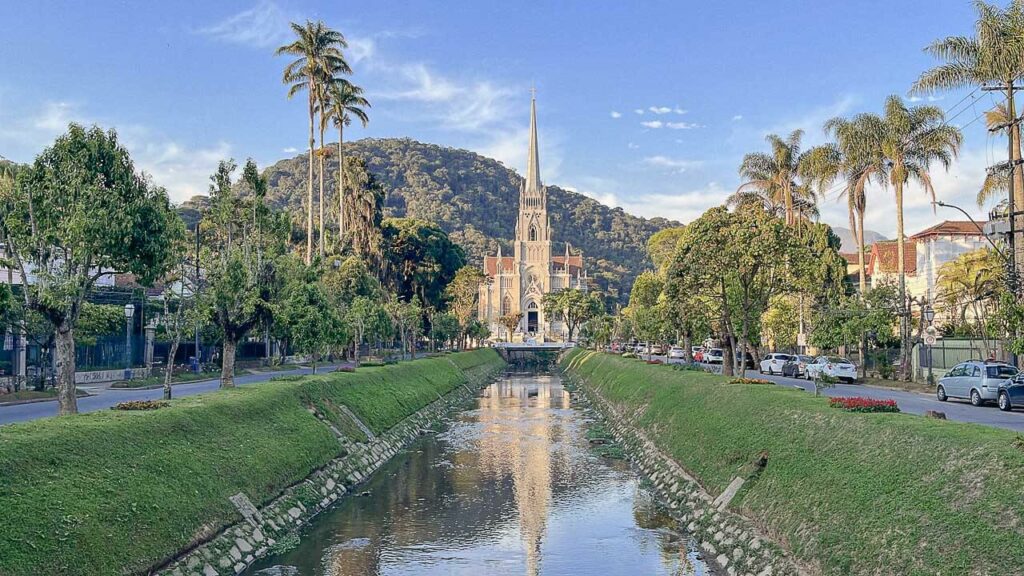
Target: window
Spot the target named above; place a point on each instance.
(1000, 371)
(532, 306)
(506, 306)
(533, 234)
(976, 373)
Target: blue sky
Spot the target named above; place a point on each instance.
(649, 106)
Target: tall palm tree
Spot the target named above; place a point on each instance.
(997, 181)
(346, 101)
(894, 149)
(781, 179)
(317, 49)
(994, 56)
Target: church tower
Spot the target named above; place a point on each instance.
(533, 230)
(516, 284)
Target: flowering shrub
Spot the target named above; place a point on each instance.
(140, 405)
(859, 404)
(750, 381)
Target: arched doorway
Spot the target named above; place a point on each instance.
(532, 317)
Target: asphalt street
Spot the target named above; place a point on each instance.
(911, 402)
(104, 398)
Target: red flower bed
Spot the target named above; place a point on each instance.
(655, 362)
(859, 404)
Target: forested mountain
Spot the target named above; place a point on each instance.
(475, 200)
(849, 243)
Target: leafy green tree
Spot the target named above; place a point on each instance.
(575, 306)
(780, 323)
(463, 292)
(363, 212)
(318, 54)
(241, 242)
(314, 321)
(407, 320)
(350, 279)
(444, 328)
(345, 102)
(420, 260)
(661, 246)
(179, 302)
(510, 322)
(81, 211)
(893, 149)
(646, 290)
(972, 283)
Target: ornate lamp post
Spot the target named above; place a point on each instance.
(129, 312)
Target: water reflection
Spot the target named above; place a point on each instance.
(510, 488)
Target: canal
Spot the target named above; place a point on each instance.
(510, 487)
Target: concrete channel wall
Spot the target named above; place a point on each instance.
(237, 547)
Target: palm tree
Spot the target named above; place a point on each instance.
(782, 180)
(994, 56)
(318, 56)
(346, 101)
(892, 150)
(997, 181)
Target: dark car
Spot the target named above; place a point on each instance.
(797, 366)
(750, 359)
(1011, 393)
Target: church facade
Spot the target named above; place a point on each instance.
(518, 283)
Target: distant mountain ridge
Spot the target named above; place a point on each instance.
(849, 243)
(475, 199)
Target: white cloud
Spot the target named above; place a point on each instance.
(615, 114)
(183, 171)
(290, 150)
(675, 165)
(632, 146)
(915, 99)
(264, 25)
(936, 98)
(55, 117)
(737, 118)
(655, 124)
(679, 110)
(639, 110)
(360, 49)
(682, 125)
(660, 109)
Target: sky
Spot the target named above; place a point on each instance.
(649, 106)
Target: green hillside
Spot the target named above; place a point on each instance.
(475, 199)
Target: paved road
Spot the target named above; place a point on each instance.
(912, 402)
(106, 397)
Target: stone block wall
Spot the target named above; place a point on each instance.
(725, 537)
(237, 547)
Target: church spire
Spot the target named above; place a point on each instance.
(532, 185)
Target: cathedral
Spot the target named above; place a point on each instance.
(519, 282)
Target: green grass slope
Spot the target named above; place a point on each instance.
(848, 493)
(117, 492)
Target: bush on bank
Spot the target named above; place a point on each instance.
(119, 492)
(846, 493)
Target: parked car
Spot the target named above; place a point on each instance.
(749, 360)
(698, 356)
(774, 363)
(676, 353)
(797, 366)
(656, 349)
(1011, 393)
(976, 380)
(834, 366)
(713, 356)
(641, 348)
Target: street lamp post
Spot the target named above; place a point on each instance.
(929, 316)
(129, 312)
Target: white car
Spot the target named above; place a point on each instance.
(713, 356)
(834, 366)
(773, 363)
(676, 353)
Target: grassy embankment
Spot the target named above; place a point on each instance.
(848, 493)
(118, 492)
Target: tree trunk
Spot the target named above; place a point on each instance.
(227, 368)
(309, 182)
(314, 354)
(64, 355)
(341, 186)
(355, 349)
(902, 273)
(169, 370)
(321, 207)
(862, 342)
(687, 348)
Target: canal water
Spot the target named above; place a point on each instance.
(511, 487)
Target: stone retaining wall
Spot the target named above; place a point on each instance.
(726, 538)
(237, 547)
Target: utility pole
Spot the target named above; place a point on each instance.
(195, 294)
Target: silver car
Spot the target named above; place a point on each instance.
(975, 380)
